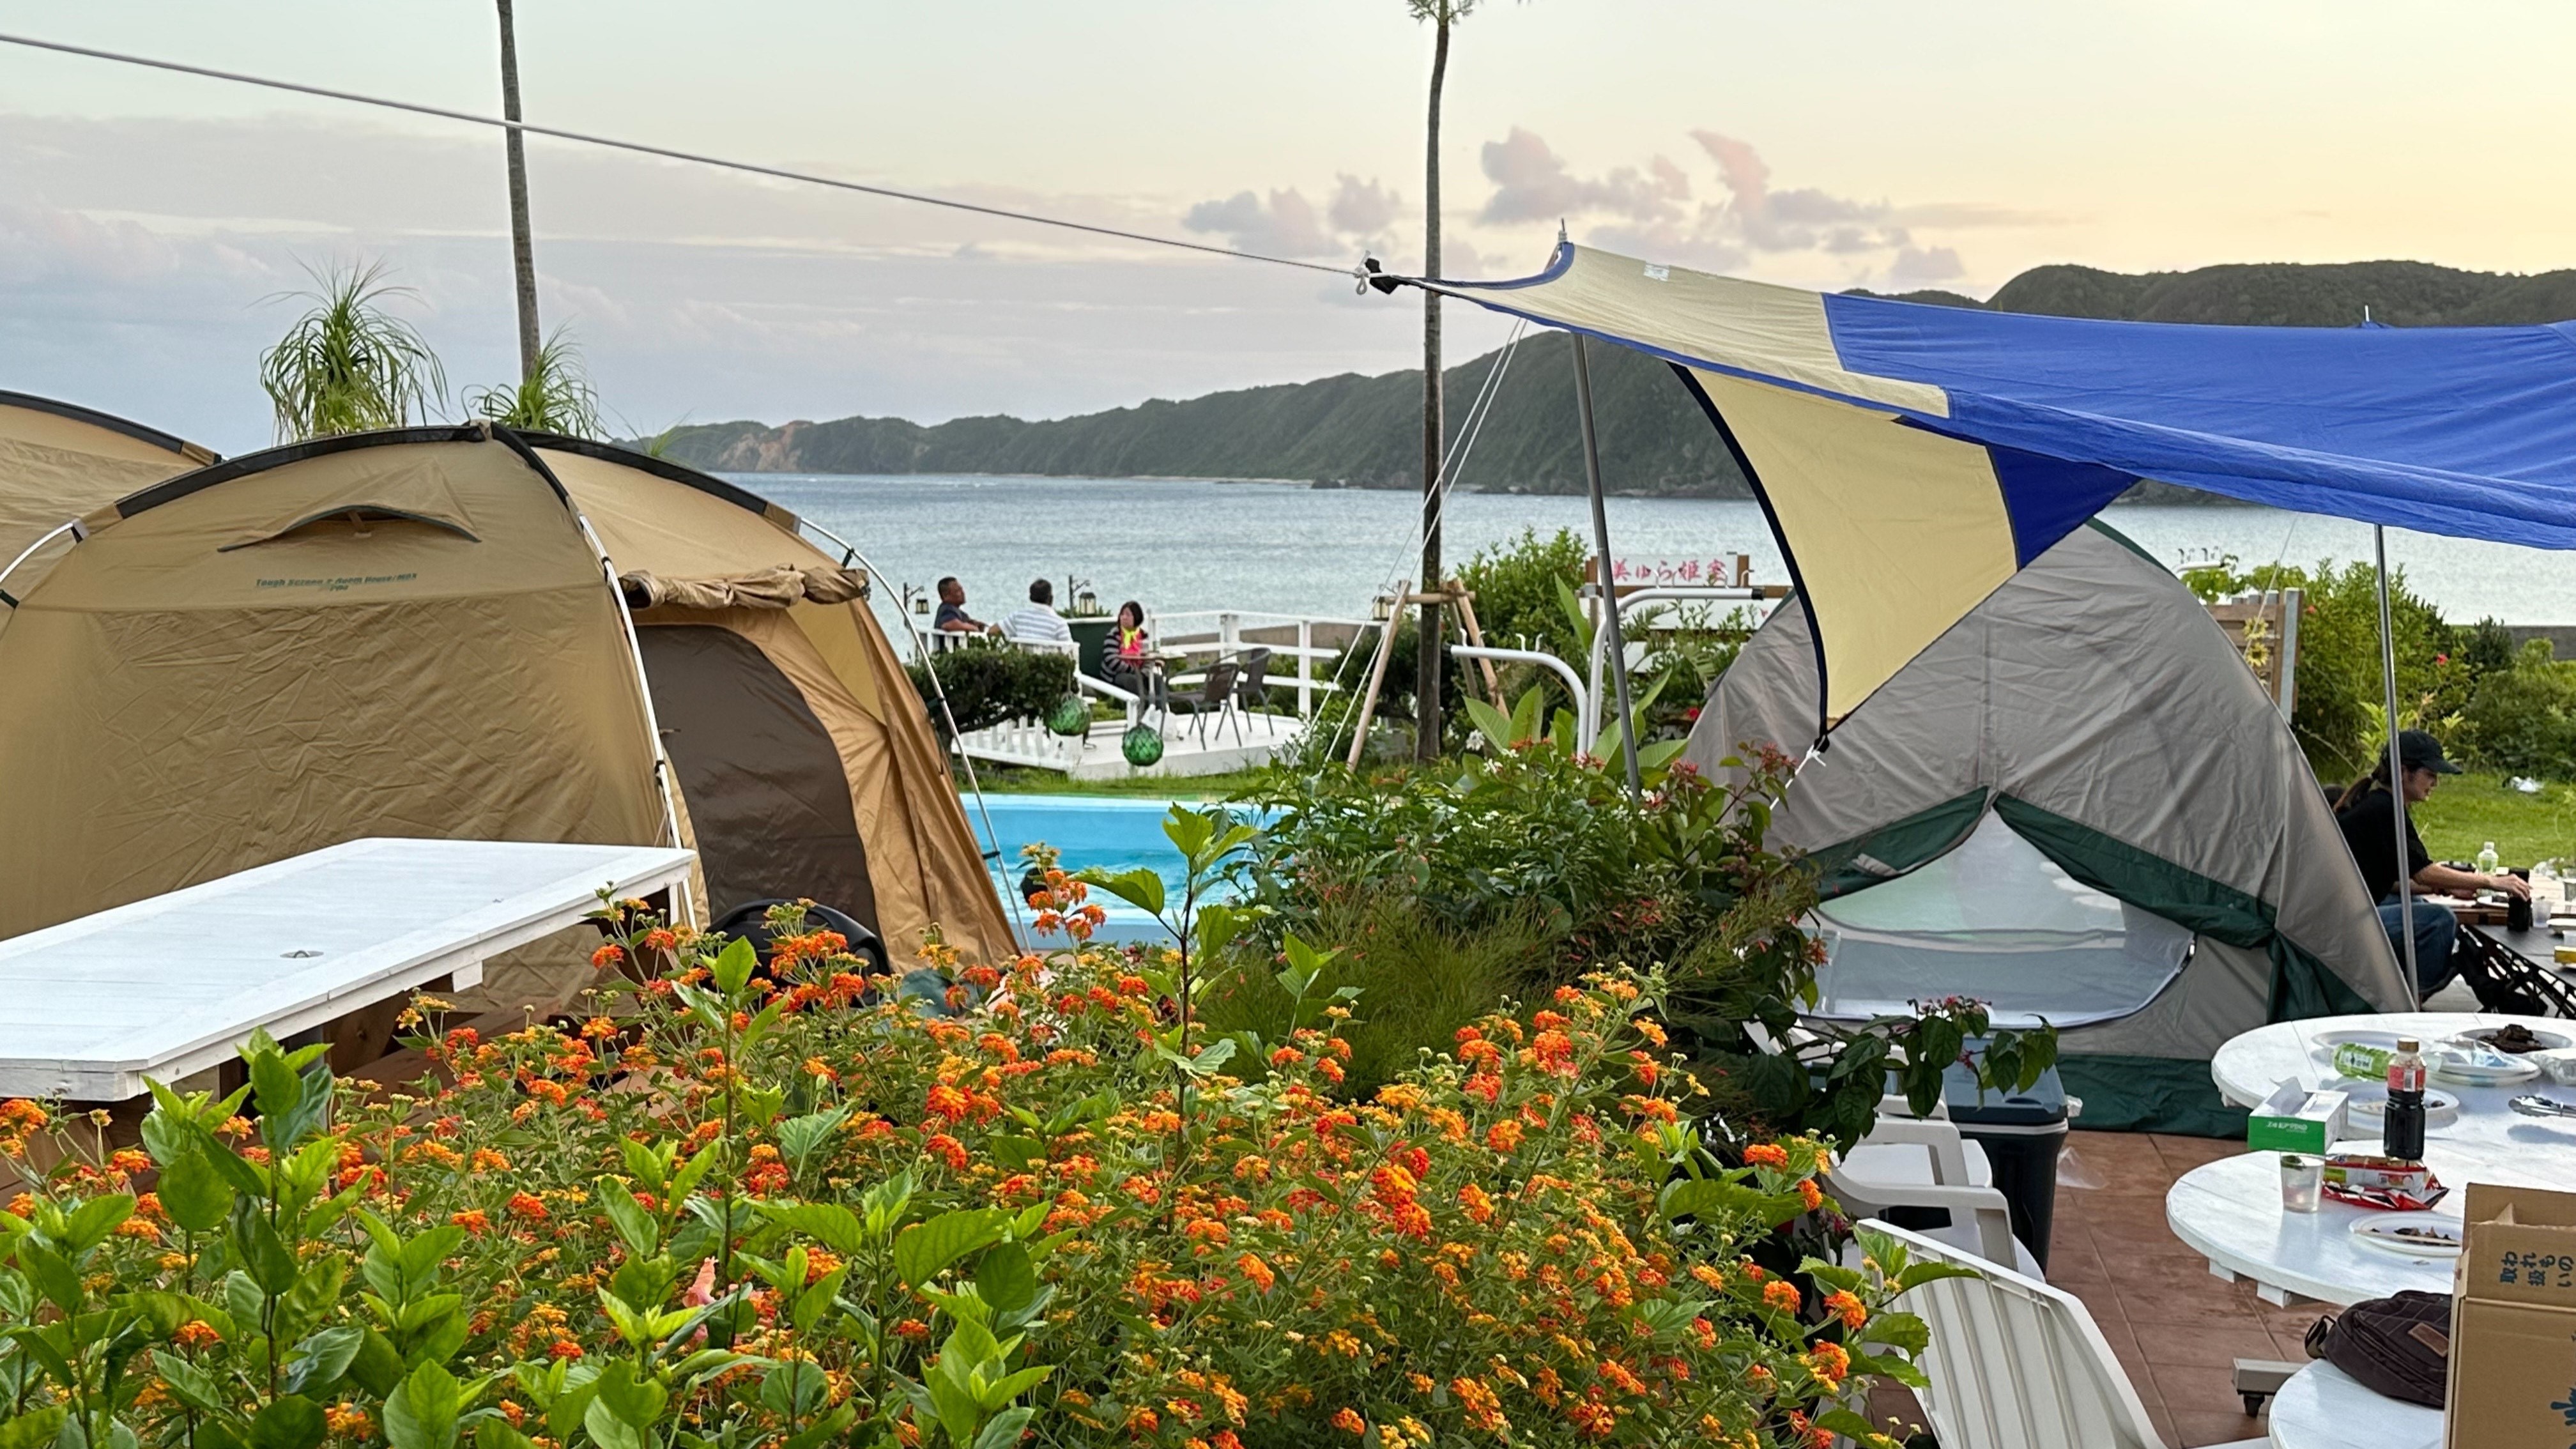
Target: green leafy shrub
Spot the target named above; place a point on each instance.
(2341, 692)
(1540, 837)
(2522, 719)
(767, 1205)
(990, 684)
(1417, 980)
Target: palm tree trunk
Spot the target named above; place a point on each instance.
(523, 256)
(1426, 687)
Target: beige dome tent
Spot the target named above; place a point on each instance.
(58, 461)
(409, 633)
(2076, 804)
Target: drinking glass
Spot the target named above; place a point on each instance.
(2303, 1181)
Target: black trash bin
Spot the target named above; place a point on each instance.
(2021, 1133)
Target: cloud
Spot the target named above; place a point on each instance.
(1359, 217)
(1363, 208)
(1799, 219)
(1924, 267)
(134, 255)
(1533, 183)
(1745, 220)
(1288, 225)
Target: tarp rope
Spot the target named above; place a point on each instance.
(1461, 448)
(667, 153)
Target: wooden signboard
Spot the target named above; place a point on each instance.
(2264, 627)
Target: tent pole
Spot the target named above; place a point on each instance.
(1609, 589)
(2396, 766)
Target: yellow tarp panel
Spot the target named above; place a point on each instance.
(1776, 331)
(1898, 532)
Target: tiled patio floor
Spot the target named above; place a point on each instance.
(2176, 1328)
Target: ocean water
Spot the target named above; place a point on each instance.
(1286, 548)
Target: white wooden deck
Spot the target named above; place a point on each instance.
(1188, 749)
(170, 986)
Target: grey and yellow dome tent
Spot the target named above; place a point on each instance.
(413, 633)
(60, 460)
(2077, 803)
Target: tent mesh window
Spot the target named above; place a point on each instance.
(1996, 920)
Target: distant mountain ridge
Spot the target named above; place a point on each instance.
(1365, 432)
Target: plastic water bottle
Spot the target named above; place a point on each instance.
(2488, 861)
(2402, 1128)
(2361, 1062)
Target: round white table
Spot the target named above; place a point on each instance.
(2229, 1211)
(2322, 1407)
(2248, 1067)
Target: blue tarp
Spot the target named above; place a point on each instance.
(2469, 431)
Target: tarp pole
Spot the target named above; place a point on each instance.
(2396, 768)
(1609, 589)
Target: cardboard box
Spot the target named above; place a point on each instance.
(2513, 1321)
(2294, 1119)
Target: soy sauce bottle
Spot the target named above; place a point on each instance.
(2402, 1127)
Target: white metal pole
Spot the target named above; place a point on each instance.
(1609, 590)
(2396, 767)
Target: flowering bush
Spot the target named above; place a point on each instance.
(1538, 840)
(775, 1205)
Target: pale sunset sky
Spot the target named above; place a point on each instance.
(148, 221)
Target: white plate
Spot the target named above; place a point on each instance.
(2352, 1036)
(2550, 1041)
(2368, 1102)
(2380, 1230)
(2443, 1065)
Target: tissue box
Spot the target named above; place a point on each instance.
(2295, 1119)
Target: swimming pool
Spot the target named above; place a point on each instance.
(1110, 833)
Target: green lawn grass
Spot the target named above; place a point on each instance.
(2466, 811)
(2469, 810)
(1007, 780)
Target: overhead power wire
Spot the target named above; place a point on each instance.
(667, 153)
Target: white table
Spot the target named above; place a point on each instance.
(2229, 1211)
(171, 985)
(2248, 1067)
(2322, 1407)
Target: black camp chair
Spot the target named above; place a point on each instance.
(1215, 695)
(1252, 692)
(750, 921)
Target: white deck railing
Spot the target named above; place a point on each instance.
(1295, 642)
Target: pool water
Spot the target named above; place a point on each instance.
(1111, 834)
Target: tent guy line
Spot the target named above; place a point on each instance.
(666, 152)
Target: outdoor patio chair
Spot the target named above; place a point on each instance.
(1252, 691)
(1214, 696)
(1910, 1162)
(2016, 1364)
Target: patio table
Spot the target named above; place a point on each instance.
(2229, 1211)
(172, 985)
(2249, 1066)
(2322, 1407)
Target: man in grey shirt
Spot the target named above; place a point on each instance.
(1038, 623)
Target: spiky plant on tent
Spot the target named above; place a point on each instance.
(555, 396)
(347, 365)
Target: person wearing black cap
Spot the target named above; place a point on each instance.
(2368, 831)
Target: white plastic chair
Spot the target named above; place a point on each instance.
(1923, 1162)
(2016, 1364)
